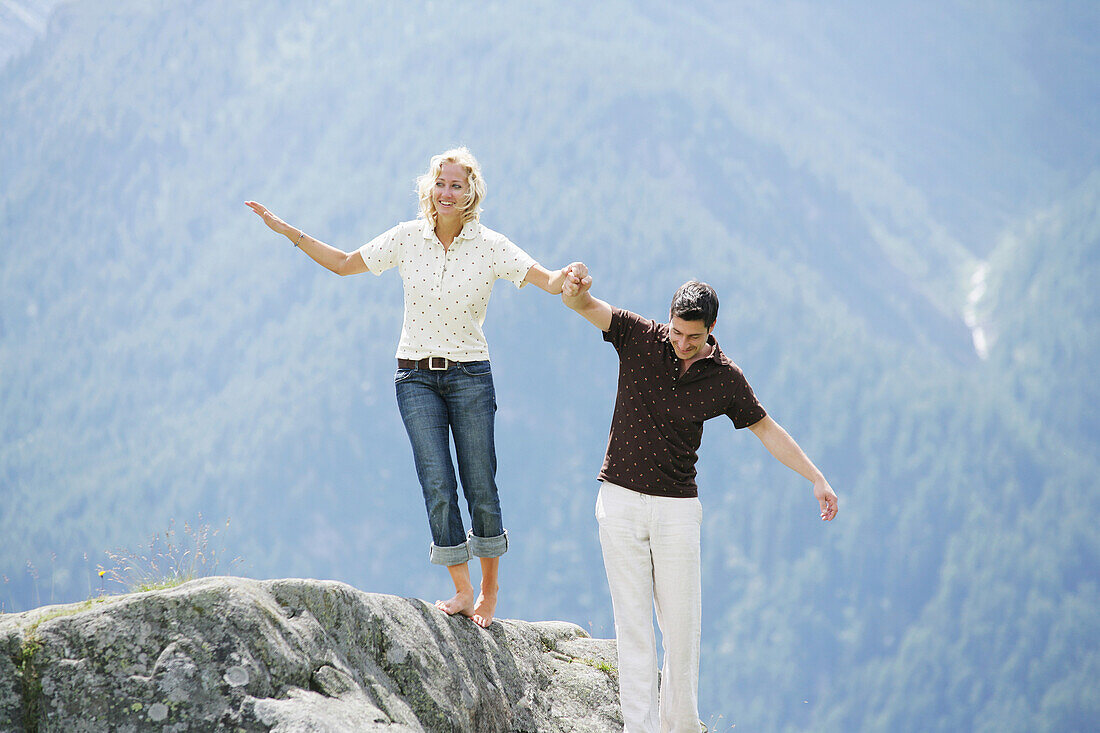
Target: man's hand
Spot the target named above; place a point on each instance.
(781, 445)
(577, 280)
(826, 497)
(574, 294)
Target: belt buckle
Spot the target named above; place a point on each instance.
(433, 367)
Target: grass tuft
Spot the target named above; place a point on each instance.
(168, 561)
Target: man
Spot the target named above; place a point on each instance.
(671, 378)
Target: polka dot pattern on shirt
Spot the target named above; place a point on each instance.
(446, 289)
(657, 425)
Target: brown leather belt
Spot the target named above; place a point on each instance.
(434, 363)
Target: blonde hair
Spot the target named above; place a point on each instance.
(471, 206)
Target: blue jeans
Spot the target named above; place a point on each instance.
(435, 405)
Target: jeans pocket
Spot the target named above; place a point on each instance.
(475, 368)
(402, 375)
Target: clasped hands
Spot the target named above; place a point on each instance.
(577, 280)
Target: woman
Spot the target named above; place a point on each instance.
(448, 263)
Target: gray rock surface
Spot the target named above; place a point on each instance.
(295, 655)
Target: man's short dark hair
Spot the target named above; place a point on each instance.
(695, 301)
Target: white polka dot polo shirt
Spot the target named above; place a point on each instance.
(446, 291)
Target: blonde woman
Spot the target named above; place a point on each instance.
(448, 263)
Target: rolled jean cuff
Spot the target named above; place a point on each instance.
(456, 555)
(487, 546)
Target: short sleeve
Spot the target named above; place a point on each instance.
(625, 326)
(744, 409)
(382, 252)
(510, 262)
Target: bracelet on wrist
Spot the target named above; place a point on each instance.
(300, 235)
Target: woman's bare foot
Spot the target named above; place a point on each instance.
(486, 604)
(463, 602)
(484, 608)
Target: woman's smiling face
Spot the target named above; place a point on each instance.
(451, 191)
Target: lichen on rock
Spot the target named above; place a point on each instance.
(296, 655)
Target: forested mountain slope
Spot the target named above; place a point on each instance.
(839, 176)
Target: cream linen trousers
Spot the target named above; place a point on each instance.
(651, 556)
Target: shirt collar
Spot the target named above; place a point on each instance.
(716, 355)
(469, 230)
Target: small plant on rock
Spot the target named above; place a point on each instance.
(166, 562)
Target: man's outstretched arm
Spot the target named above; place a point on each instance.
(575, 295)
(781, 445)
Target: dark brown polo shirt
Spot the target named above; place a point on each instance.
(658, 420)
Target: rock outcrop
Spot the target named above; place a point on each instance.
(295, 655)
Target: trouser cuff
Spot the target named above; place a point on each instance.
(487, 546)
(456, 555)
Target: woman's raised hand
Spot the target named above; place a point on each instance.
(277, 225)
(577, 280)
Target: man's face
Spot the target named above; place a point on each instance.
(687, 337)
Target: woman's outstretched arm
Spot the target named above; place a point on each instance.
(552, 282)
(340, 262)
